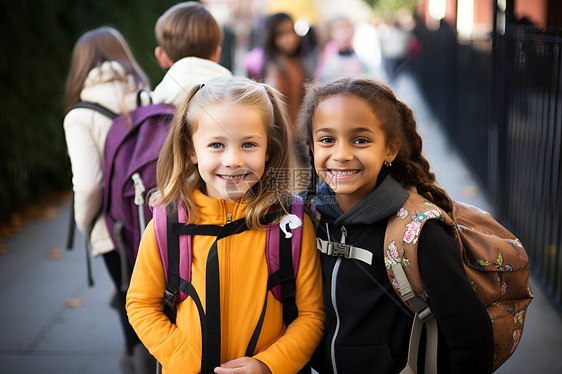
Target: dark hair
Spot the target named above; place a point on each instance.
(271, 51)
(409, 167)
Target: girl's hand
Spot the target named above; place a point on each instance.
(243, 365)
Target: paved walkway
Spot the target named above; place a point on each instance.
(41, 333)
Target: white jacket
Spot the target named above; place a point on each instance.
(85, 132)
(183, 75)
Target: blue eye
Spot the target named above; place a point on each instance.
(215, 145)
(248, 145)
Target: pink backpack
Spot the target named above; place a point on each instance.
(173, 238)
(179, 265)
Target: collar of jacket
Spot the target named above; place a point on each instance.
(386, 199)
(215, 211)
(183, 75)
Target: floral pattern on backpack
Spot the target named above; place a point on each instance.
(494, 260)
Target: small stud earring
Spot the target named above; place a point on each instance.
(387, 164)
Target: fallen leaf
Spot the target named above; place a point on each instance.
(50, 212)
(55, 253)
(470, 191)
(73, 302)
(16, 220)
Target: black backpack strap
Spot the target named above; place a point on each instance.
(70, 238)
(139, 96)
(287, 279)
(285, 276)
(71, 225)
(211, 320)
(211, 357)
(257, 331)
(234, 227)
(173, 283)
(96, 107)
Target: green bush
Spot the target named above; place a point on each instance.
(37, 40)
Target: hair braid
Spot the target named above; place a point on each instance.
(412, 168)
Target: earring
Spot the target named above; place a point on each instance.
(387, 164)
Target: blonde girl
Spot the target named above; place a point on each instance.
(368, 155)
(227, 146)
(103, 71)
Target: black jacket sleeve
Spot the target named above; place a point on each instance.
(461, 317)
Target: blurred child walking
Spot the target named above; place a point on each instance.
(283, 66)
(220, 163)
(189, 46)
(102, 71)
(367, 152)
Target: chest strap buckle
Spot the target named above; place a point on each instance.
(344, 250)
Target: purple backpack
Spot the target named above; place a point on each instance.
(131, 151)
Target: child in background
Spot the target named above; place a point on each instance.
(103, 71)
(189, 40)
(339, 59)
(367, 151)
(283, 66)
(226, 143)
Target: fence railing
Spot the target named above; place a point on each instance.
(501, 103)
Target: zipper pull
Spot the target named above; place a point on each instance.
(139, 189)
(343, 235)
(229, 218)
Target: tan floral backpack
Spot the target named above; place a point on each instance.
(495, 263)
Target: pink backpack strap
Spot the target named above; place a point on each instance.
(161, 233)
(272, 244)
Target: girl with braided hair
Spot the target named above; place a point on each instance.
(367, 152)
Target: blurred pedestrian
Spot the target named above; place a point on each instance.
(398, 43)
(189, 46)
(283, 66)
(339, 58)
(102, 71)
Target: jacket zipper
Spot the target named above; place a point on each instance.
(335, 272)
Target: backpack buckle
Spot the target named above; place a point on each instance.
(339, 249)
(170, 297)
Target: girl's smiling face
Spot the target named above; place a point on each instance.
(349, 147)
(230, 149)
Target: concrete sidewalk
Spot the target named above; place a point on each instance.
(41, 333)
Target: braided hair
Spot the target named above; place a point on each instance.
(409, 167)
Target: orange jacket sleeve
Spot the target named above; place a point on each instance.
(163, 339)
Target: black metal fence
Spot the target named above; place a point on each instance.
(501, 103)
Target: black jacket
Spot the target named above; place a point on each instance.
(367, 325)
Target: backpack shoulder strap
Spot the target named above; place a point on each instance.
(95, 107)
(283, 248)
(401, 248)
(176, 260)
(402, 266)
(147, 93)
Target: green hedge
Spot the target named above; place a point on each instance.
(37, 40)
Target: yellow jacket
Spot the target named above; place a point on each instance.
(243, 285)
